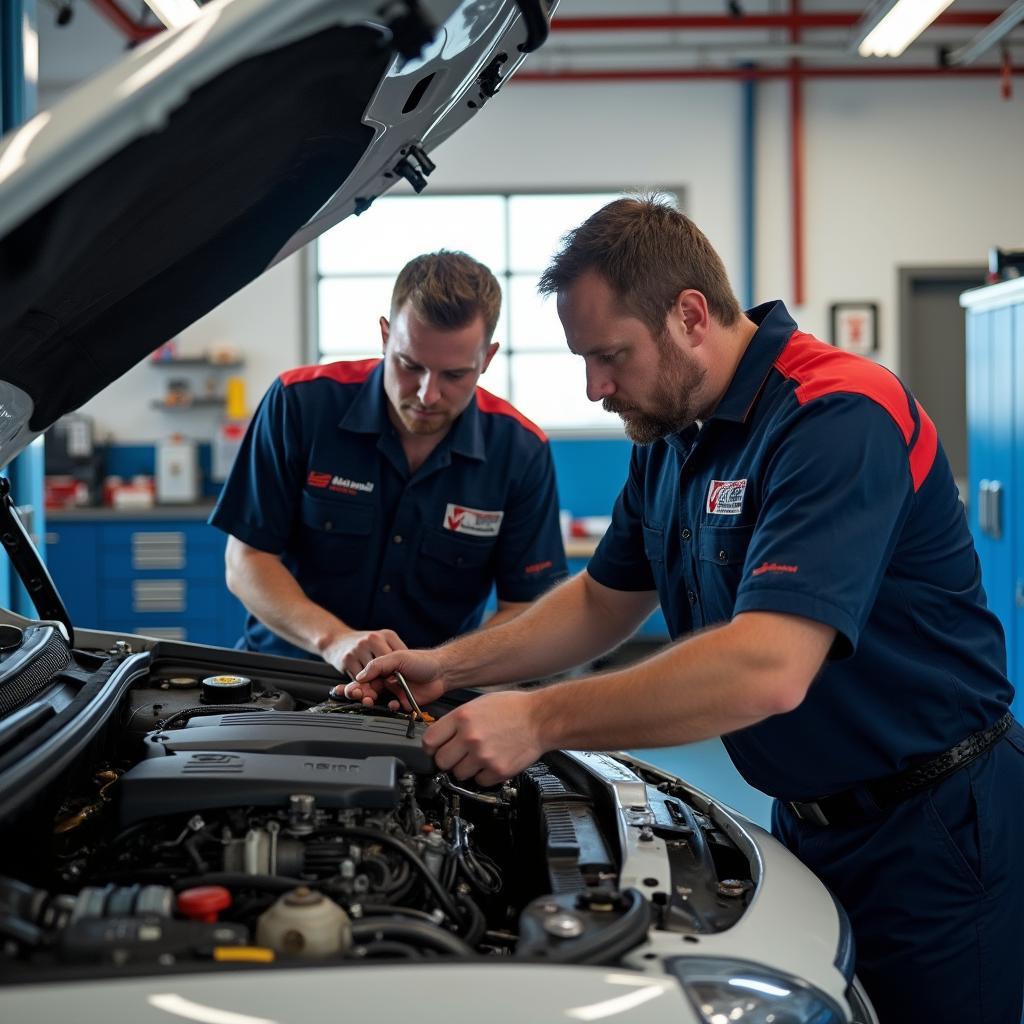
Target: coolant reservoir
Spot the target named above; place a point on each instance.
(305, 923)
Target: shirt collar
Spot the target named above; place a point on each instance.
(774, 329)
(368, 414)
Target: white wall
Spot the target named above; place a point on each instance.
(897, 172)
(916, 172)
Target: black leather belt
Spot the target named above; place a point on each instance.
(862, 802)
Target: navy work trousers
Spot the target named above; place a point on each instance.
(934, 889)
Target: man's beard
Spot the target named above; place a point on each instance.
(424, 427)
(673, 401)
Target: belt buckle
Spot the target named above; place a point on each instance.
(809, 812)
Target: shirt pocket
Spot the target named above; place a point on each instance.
(454, 568)
(654, 543)
(337, 529)
(654, 551)
(722, 554)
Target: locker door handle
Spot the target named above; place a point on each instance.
(995, 512)
(1018, 594)
(990, 508)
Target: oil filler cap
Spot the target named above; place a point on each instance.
(225, 690)
(204, 902)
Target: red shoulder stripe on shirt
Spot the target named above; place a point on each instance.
(492, 404)
(354, 372)
(819, 369)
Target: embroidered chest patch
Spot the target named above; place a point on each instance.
(725, 497)
(475, 521)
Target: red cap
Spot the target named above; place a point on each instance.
(204, 902)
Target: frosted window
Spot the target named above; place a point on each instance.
(397, 228)
(514, 235)
(534, 320)
(537, 223)
(350, 308)
(550, 388)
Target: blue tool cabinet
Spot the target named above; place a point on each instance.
(995, 456)
(160, 573)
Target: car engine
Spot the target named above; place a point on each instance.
(221, 818)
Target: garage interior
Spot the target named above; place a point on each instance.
(876, 188)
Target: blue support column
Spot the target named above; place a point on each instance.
(19, 63)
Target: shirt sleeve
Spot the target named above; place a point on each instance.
(259, 501)
(834, 498)
(620, 561)
(531, 556)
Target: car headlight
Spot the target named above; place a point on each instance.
(735, 992)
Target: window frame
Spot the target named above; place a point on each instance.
(313, 277)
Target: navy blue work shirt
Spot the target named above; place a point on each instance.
(819, 488)
(322, 480)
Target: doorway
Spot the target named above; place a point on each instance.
(932, 351)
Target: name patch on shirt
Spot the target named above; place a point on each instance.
(341, 484)
(474, 521)
(725, 497)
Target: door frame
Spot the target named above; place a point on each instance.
(908, 276)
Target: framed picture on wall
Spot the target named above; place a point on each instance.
(855, 326)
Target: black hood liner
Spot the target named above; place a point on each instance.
(179, 220)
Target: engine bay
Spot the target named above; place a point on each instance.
(235, 813)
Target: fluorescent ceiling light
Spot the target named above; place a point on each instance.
(988, 37)
(174, 13)
(890, 27)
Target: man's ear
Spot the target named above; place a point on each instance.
(491, 352)
(385, 330)
(691, 312)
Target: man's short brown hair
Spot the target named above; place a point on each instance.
(448, 290)
(648, 252)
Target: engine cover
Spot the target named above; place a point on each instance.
(204, 779)
(299, 732)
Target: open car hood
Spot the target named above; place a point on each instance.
(170, 181)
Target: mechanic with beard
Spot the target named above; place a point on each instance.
(374, 504)
(792, 509)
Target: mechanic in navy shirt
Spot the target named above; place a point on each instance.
(792, 509)
(374, 504)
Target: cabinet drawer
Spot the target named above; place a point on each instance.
(149, 599)
(127, 550)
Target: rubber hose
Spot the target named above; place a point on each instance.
(415, 933)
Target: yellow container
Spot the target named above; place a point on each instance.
(234, 392)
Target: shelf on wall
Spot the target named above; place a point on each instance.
(203, 401)
(186, 361)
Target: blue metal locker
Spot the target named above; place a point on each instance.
(995, 455)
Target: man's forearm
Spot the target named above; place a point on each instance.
(714, 683)
(270, 592)
(571, 624)
(505, 613)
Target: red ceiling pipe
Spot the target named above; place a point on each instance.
(741, 74)
(823, 19)
(134, 30)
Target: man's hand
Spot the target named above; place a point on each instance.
(490, 739)
(352, 652)
(422, 670)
